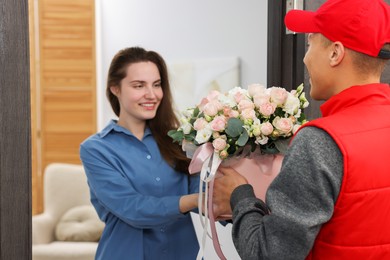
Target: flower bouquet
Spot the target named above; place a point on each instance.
(247, 129)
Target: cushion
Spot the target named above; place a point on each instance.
(79, 223)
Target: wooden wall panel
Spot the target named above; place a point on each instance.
(67, 84)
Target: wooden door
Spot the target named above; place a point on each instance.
(313, 111)
(64, 86)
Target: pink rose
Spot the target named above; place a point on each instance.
(202, 103)
(260, 99)
(211, 108)
(226, 111)
(218, 124)
(267, 109)
(283, 125)
(245, 104)
(248, 114)
(266, 128)
(211, 98)
(219, 144)
(278, 95)
(238, 96)
(213, 95)
(200, 123)
(234, 113)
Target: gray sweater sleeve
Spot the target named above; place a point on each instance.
(301, 199)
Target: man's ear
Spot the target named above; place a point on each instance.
(337, 53)
(114, 90)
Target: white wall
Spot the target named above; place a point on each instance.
(183, 30)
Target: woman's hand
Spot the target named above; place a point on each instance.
(188, 202)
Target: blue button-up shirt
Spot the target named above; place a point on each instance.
(136, 193)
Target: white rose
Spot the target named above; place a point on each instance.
(261, 140)
(227, 100)
(203, 135)
(292, 104)
(188, 112)
(255, 89)
(186, 128)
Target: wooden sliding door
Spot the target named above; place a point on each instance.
(64, 87)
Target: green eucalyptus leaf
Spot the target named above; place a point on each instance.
(191, 136)
(177, 136)
(234, 127)
(243, 139)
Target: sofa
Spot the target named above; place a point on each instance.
(68, 227)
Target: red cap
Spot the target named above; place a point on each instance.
(360, 25)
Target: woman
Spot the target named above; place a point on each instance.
(138, 178)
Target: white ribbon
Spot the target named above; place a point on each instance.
(207, 174)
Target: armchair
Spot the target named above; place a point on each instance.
(69, 227)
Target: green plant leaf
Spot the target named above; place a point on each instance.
(177, 136)
(234, 127)
(191, 136)
(196, 112)
(243, 138)
(302, 117)
(279, 112)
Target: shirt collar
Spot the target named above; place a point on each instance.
(113, 126)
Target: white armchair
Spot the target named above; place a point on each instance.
(69, 227)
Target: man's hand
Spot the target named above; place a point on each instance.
(225, 182)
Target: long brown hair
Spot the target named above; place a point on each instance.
(165, 118)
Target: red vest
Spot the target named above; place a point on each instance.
(358, 119)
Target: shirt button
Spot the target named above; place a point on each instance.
(148, 157)
(158, 179)
(162, 230)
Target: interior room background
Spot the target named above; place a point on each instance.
(67, 29)
(208, 45)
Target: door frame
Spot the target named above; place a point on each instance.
(285, 51)
(15, 142)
